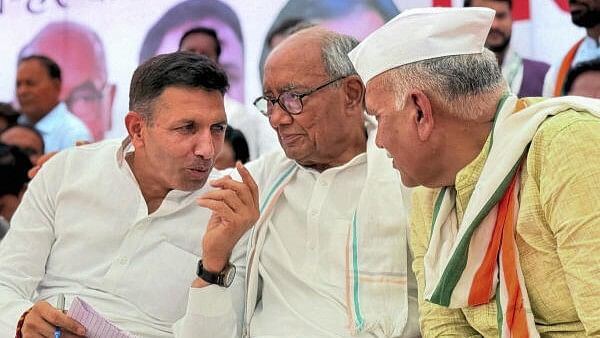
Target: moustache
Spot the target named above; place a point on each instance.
(204, 165)
(577, 2)
(493, 30)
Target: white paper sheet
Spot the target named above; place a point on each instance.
(96, 326)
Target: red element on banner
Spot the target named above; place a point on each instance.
(521, 10)
(563, 5)
(442, 3)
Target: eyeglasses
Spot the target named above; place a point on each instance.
(289, 101)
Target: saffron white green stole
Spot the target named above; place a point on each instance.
(471, 263)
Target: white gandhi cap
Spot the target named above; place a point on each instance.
(422, 34)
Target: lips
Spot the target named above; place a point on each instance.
(197, 173)
(289, 138)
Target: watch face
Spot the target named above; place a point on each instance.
(229, 276)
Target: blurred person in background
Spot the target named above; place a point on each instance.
(524, 76)
(79, 52)
(584, 79)
(165, 34)
(585, 14)
(8, 116)
(38, 87)
(260, 137)
(234, 149)
(26, 138)
(14, 165)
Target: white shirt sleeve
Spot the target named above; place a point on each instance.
(216, 311)
(25, 249)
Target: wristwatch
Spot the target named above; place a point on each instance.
(223, 278)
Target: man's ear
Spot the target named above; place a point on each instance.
(354, 91)
(134, 122)
(423, 117)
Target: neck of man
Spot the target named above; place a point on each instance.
(500, 56)
(153, 193)
(594, 33)
(464, 140)
(36, 117)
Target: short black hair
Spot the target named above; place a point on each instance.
(580, 68)
(186, 11)
(51, 66)
(179, 69)
(238, 144)
(14, 165)
(206, 31)
(9, 114)
(32, 129)
(468, 3)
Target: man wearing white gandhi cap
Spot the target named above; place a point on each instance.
(506, 230)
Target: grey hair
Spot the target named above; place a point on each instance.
(334, 54)
(463, 83)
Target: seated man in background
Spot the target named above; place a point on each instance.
(27, 138)
(130, 253)
(234, 149)
(524, 76)
(14, 165)
(506, 230)
(38, 88)
(584, 79)
(328, 256)
(260, 138)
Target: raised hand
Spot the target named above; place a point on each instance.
(234, 210)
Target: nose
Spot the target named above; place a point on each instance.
(204, 146)
(21, 89)
(279, 116)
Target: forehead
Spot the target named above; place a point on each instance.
(16, 134)
(229, 40)
(293, 61)
(176, 103)
(199, 39)
(32, 68)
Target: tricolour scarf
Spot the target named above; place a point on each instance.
(471, 263)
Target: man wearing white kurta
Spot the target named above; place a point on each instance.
(328, 256)
(117, 224)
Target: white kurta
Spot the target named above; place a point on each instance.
(83, 229)
(298, 287)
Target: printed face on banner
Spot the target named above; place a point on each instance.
(80, 55)
(232, 51)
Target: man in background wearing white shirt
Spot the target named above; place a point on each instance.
(116, 223)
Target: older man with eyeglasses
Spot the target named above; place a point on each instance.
(328, 256)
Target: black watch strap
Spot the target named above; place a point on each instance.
(223, 278)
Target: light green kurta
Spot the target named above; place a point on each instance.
(558, 234)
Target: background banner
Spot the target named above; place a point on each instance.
(99, 43)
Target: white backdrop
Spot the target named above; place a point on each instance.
(122, 24)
